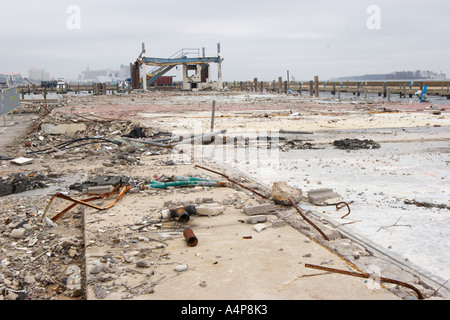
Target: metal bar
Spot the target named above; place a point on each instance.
(365, 276)
(307, 220)
(85, 201)
(339, 205)
(232, 181)
(165, 61)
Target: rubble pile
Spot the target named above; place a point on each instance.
(20, 182)
(354, 144)
(38, 258)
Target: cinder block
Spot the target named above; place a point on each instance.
(256, 219)
(259, 209)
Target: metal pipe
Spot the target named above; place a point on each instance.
(190, 237)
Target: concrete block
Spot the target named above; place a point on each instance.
(259, 209)
(278, 223)
(209, 210)
(256, 219)
(22, 161)
(323, 197)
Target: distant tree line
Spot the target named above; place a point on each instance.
(398, 75)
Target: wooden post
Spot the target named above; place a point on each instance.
(213, 112)
(311, 88)
(388, 95)
(334, 90)
(339, 94)
(365, 93)
(287, 88)
(280, 84)
(316, 85)
(255, 82)
(300, 88)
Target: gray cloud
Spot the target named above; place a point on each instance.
(258, 38)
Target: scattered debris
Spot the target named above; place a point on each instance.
(426, 204)
(19, 182)
(354, 144)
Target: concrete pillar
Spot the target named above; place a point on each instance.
(185, 78)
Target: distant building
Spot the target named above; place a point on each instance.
(105, 75)
(38, 74)
(11, 78)
(93, 74)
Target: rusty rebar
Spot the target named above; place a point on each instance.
(341, 204)
(298, 210)
(232, 181)
(307, 220)
(365, 276)
(190, 237)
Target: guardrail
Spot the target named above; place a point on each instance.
(9, 101)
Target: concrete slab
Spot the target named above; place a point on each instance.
(230, 261)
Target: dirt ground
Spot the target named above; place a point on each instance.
(130, 252)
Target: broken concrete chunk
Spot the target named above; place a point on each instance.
(22, 161)
(282, 192)
(209, 210)
(63, 128)
(256, 219)
(17, 233)
(259, 227)
(323, 197)
(259, 209)
(181, 267)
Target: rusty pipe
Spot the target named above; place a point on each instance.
(190, 237)
(181, 214)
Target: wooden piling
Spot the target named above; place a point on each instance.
(316, 85)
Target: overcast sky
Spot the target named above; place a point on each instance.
(260, 39)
